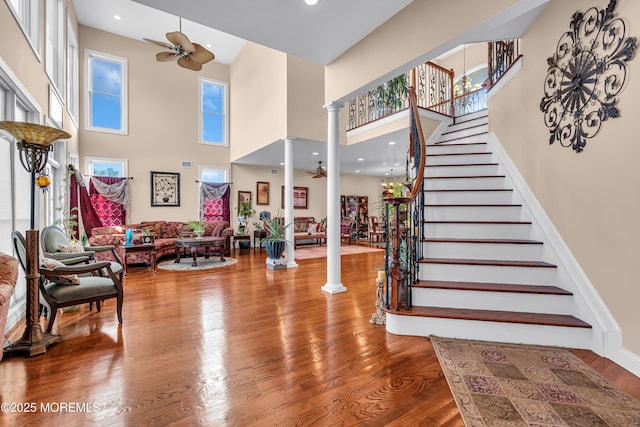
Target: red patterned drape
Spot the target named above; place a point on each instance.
(109, 212)
(79, 198)
(214, 206)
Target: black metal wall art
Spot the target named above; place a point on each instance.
(585, 75)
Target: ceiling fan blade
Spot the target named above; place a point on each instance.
(166, 56)
(185, 62)
(179, 39)
(163, 44)
(201, 54)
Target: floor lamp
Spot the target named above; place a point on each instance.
(34, 143)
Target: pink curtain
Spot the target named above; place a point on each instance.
(79, 198)
(109, 212)
(214, 202)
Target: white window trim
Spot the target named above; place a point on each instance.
(73, 72)
(88, 55)
(225, 105)
(90, 160)
(225, 169)
(57, 58)
(33, 37)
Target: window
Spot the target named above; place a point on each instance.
(73, 94)
(54, 58)
(100, 166)
(27, 14)
(214, 174)
(213, 112)
(106, 95)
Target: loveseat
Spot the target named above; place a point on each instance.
(8, 278)
(164, 235)
(301, 226)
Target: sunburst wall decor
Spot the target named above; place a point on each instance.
(585, 75)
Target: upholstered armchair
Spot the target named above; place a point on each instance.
(67, 285)
(8, 278)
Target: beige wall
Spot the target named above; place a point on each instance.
(306, 117)
(163, 124)
(591, 197)
(413, 32)
(475, 54)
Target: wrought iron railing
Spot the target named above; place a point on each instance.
(502, 54)
(470, 102)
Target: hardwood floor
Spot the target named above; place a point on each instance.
(239, 346)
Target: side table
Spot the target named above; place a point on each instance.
(237, 239)
(150, 248)
(258, 235)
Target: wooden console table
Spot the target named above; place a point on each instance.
(241, 239)
(318, 237)
(217, 243)
(258, 235)
(139, 248)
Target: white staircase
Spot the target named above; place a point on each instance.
(483, 275)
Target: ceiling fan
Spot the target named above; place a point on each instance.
(189, 55)
(320, 172)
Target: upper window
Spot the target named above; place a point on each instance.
(73, 92)
(106, 94)
(54, 57)
(214, 174)
(213, 112)
(27, 13)
(100, 166)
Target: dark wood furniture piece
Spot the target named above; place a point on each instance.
(241, 239)
(318, 237)
(140, 248)
(212, 246)
(258, 235)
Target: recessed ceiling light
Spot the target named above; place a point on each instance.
(281, 163)
(315, 154)
(357, 170)
(361, 159)
(392, 143)
(311, 2)
(387, 173)
(117, 17)
(396, 164)
(208, 45)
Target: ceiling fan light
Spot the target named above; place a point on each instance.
(311, 2)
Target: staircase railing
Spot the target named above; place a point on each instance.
(502, 54)
(404, 216)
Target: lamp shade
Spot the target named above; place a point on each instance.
(33, 133)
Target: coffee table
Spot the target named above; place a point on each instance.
(209, 242)
(148, 247)
(318, 237)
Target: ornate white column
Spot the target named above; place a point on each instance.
(334, 284)
(288, 200)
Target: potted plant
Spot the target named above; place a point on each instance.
(275, 241)
(389, 97)
(198, 227)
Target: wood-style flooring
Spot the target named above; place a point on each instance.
(238, 346)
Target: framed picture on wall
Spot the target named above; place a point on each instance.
(300, 198)
(165, 189)
(262, 193)
(244, 196)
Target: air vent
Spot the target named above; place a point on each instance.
(275, 171)
(185, 163)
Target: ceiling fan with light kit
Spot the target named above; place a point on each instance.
(188, 55)
(320, 172)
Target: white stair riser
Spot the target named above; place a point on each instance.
(478, 115)
(531, 303)
(463, 183)
(455, 148)
(454, 139)
(467, 129)
(471, 170)
(516, 333)
(478, 231)
(473, 213)
(488, 274)
(460, 159)
(498, 251)
(479, 121)
(467, 197)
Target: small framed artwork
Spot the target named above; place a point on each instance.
(55, 108)
(244, 196)
(300, 197)
(262, 193)
(165, 189)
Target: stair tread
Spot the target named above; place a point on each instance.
(461, 164)
(496, 316)
(477, 205)
(470, 153)
(435, 221)
(463, 136)
(499, 241)
(463, 129)
(468, 189)
(464, 177)
(493, 262)
(492, 287)
(456, 144)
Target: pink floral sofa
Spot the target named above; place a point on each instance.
(165, 234)
(8, 278)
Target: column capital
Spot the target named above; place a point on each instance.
(333, 106)
(288, 138)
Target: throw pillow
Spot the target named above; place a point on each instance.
(75, 248)
(62, 279)
(312, 228)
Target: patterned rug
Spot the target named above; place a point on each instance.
(203, 264)
(497, 384)
(321, 251)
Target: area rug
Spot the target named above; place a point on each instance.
(203, 264)
(321, 251)
(497, 384)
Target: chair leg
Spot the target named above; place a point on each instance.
(51, 319)
(98, 305)
(119, 308)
